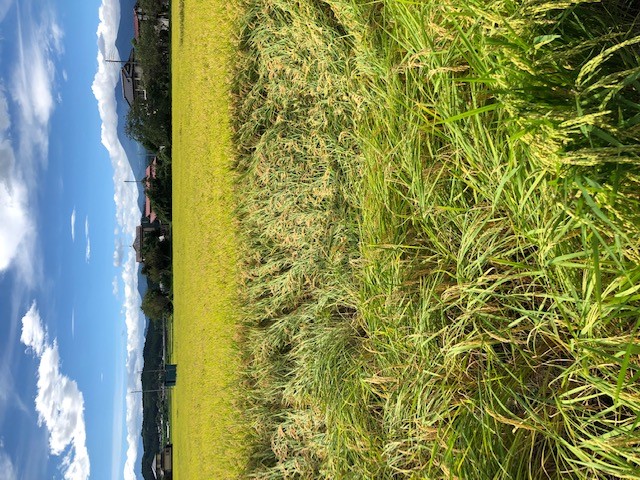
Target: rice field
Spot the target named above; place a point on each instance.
(205, 426)
(439, 211)
(426, 216)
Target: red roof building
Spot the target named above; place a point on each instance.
(150, 172)
(136, 25)
(138, 17)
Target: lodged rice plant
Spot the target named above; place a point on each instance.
(440, 206)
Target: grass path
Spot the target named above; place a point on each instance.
(205, 433)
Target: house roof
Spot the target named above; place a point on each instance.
(136, 25)
(127, 89)
(148, 212)
(127, 77)
(153, 469)
(150, 172)
(137, 243)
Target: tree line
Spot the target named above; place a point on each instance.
(148, 122)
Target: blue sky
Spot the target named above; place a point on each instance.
(70, 324)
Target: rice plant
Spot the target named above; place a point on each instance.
(441, 220)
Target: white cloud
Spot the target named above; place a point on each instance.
(9, 394)
(135, 330)
(30, 85)
(118, 252)
(16, 225)
(4, 8)
(59, 402)
(87, 253)
(33, 334)
(73, 225)
(5, 121)
(7, 469)
(56, 34)
(118, 422)
(127, 217)
(115, 286)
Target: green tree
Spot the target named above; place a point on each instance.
(147, 125)
(155, 305)
(157, 261)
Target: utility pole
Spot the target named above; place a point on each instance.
(146, 391)
(122, 62)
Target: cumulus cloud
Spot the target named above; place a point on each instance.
(118, 252)
(33, 334)
(59, 402)
(73, 225)
(127, 217)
